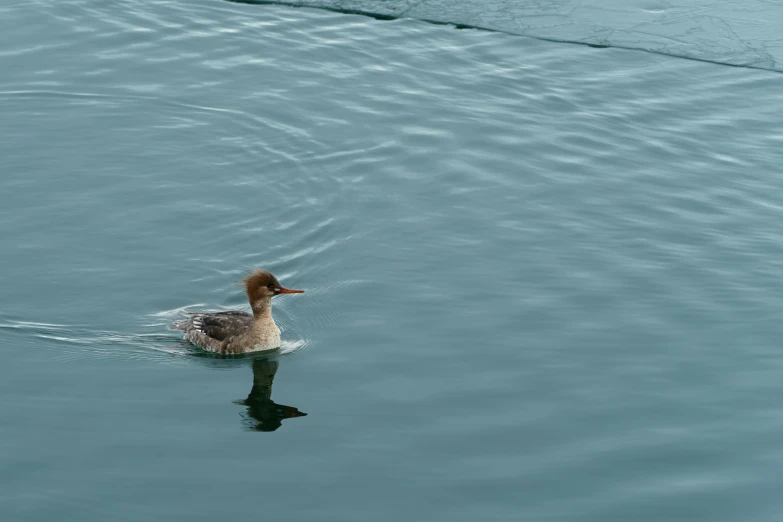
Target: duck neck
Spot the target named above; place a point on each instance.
(262, 309)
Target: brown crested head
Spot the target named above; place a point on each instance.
(261, 284)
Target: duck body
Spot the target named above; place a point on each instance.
(230, 332)
(237, 332)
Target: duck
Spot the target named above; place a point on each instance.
(235, 332)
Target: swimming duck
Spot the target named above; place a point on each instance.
(239, 332)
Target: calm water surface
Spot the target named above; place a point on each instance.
(543, 280)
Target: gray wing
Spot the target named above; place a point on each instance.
(222, 325)
(213, 331)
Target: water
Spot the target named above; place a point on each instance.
(542, 279)
(742, 33)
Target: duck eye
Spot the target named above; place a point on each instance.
(271, 286)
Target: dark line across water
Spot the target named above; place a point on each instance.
(389, 17)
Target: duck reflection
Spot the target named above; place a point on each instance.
(263, 414)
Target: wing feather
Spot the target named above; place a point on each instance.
(220, 326)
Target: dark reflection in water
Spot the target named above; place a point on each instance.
(263, 414)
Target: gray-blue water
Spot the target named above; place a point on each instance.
(543, 280)
(742, 33)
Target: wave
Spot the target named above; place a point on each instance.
(75, 342)
(738, 34)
